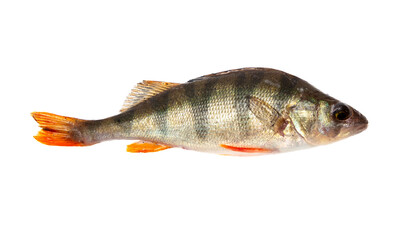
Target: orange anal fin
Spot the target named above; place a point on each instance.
(248, 149)
(146, 147)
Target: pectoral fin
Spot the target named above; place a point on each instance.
(263, 111)
(146, 147)
(268, 115)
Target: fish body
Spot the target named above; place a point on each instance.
(236, 112)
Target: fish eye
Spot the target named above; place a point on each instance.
(341, 112)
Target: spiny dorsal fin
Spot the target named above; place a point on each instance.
(145, 90)
(230, 72)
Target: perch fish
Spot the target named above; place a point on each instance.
(244, 111)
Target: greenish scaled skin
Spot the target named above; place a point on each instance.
(256, 108)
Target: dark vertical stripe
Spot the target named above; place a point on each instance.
(199, 94)
(160, 106)
(245, 85)
(287, 85)
(205, 101)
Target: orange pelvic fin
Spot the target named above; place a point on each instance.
(56, 130)
(146, 147)
(248, 149)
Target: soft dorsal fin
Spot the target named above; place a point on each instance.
(145, 90)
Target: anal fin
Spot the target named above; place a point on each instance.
(146, 147)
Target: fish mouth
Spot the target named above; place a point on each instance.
(360, 123)
(360, 127)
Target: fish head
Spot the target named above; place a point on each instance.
(325, 121)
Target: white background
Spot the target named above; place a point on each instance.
(81, 58)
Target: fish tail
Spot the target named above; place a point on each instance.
(58, 130)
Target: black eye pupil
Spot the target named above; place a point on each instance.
(341, 112)
(341, 115)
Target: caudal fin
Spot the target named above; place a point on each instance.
(58, 130)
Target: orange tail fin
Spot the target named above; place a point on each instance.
(57, 130)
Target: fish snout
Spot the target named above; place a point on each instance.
(359, 122)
